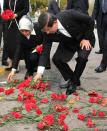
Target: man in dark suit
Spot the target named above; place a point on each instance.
(97, 15)
(102, 6)
(75, 34)
(80, 5)
(53, 7)
(3, 31)
(20, 8)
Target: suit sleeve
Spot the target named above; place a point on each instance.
(47, 44)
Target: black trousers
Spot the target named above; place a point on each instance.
(100, 37)
(104, 28)
(64, 55)
(31, 61)
(1, 30)
(5, 46)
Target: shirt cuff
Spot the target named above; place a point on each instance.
(13, 70)
(41, 69)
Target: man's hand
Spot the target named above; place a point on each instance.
(15, 15)
(10, 76)
(85, 44)
(37, 77)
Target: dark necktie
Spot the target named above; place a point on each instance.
(104, 6)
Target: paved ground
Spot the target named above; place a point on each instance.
(90, 81)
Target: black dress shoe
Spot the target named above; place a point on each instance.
(100, 69)
(67, 84)
(99, 52)
(28, 74)
(71, 89)
(5, 63)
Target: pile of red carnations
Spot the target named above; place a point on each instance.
(47, 109)
(32, 97)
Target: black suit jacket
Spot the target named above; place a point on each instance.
(78, 25)
(80, 5)
(22, 7)
(97, 12)
(25, 46)
(53, 7)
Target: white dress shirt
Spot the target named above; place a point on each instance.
(1, 4)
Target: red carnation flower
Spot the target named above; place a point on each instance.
(90, 123)
(7, 15)
(101, 114)
(65, 127)
(44, 100)
(75, 110)
(94, 112)
(19, 98)
(38, 111)
(1, 89)
(81, 117)
(17, 115)
(41, 125)
(93, 94)
(92, 100)
(9, 91)
(39, 48)
(49, 119)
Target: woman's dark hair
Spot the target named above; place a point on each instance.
(46, 18)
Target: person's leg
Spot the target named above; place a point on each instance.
(103, 63)
(80, 66)
(1, 26)
(104, 58)
(31, 61)
(60, 59)
(100, 38)
(5, 46)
